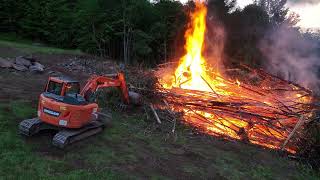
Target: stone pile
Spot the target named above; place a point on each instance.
(23, 64)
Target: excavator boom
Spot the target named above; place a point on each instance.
(111, 80)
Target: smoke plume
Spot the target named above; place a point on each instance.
(214, 43)
(292, 57)
(303, 1)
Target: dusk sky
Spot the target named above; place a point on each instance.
(309, 11)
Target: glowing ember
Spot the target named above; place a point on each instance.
(263, 115)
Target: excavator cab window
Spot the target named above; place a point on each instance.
(72, 88)
(55, 88)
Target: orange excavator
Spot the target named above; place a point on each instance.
(73, 113)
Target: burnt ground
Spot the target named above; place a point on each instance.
(132, 147)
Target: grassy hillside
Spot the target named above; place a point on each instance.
(37, 48)
(12, 46)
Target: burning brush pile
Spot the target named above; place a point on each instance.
(271, 113)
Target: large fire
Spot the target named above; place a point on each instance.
(263, 115)
(190, 72)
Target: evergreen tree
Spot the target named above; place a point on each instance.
(11, 11)
(276, 10)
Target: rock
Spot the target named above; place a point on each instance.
(4, 63)
(135, 98)
(38, 64)
(22, 61)
(36, 68)
(19, 67)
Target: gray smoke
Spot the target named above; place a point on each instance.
(303, 1)
(214, 43)
(292, 57)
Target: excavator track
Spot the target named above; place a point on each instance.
(69, 136)
(64, 137)
(29, 127)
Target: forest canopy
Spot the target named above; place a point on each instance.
(142, 31)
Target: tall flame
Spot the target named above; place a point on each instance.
(191, 70)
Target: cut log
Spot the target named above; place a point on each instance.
(299, 123)
(155, 114)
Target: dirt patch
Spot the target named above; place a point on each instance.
(16, 85)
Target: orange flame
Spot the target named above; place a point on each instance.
(190, 72)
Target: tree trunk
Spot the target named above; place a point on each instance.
(165, 50)
(95, 39)
(124, 34)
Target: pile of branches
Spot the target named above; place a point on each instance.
(263, 109)
(243, 119)
(269, 112)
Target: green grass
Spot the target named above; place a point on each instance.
(133, 149)
(31, 48)
(18, 161)
(28, 47)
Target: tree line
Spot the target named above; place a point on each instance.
(140, 31)
(130, 30)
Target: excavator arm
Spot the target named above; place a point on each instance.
(112, 80)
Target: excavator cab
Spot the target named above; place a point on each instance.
(65, 90)
(62, 105)
(62, 86)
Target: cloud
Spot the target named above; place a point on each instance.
(309, 13)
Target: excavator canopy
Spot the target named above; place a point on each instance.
(62, 86)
